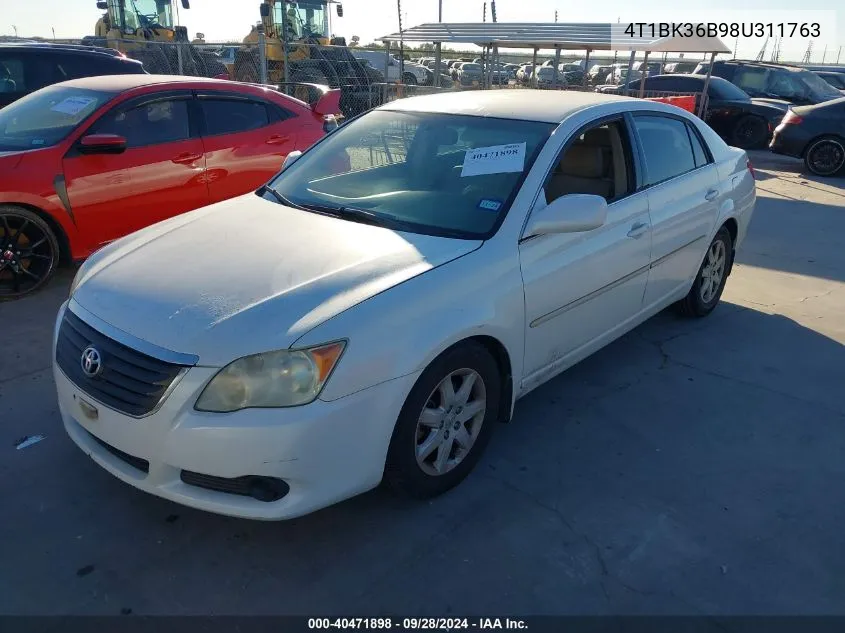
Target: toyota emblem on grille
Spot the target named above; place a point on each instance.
(92, 363)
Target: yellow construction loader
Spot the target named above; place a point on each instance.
(299, 48)
(146, 30)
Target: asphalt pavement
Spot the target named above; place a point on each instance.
(690, 467)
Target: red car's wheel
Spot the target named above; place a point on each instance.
(29, 252)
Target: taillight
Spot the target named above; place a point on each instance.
(791, 118)
(751, 169)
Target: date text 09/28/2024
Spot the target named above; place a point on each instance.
(723, 29)
(417, 624)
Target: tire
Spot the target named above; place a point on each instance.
(701, 299)
(825, 156)
(409, 79)
(414, 430)
(29, 252)
(750, 132)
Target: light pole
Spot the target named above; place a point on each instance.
(16, 30)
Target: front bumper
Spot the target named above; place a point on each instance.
(324, 451)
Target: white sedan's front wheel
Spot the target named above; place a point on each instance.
(445, 423)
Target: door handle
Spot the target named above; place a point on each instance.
(638, 230)
(711, 195)
(187, 157)
(277, 139)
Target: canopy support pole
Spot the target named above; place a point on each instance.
(628, 76)
(437, 59)
(557, 64)
(533, 79)
(644, 75)
(586, 68)
(703, 105)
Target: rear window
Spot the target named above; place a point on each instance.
(44, 118)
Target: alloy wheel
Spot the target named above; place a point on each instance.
(713, 271)
(826, 158)
(450, 421)
(27, 256)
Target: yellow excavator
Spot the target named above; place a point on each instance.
(146, 30)
(299, 48)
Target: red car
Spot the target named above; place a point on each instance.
(87, 161)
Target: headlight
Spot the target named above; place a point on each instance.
(285, 378)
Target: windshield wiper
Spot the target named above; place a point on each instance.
(279, 197)
(362, 216)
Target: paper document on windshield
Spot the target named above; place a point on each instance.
(496, 159)
(72, 105)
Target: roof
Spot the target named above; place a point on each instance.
(573, 36)
(83, 48)
(119, 83)
(547, 106)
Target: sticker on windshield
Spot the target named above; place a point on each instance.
(496, 159)
(490, 205)
(38, 141)
(73, 105)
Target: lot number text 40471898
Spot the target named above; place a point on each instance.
(418, 624)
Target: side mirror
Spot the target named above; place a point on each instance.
(573, 213)
(291, 158)
(102, 4)
(102, 144)
(340, 10)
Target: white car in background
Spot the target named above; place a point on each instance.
(379, 315)
(413, 73)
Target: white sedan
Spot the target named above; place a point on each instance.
(375, 310)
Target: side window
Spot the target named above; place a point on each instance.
(784, 83)
(698, 152)
(153, 123)
(666, 146)
(12, 74)
(598, 162)
(752, 80)
(230, 116)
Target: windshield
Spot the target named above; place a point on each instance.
(143, 13)
(45, 117)
(471, 67)
(439, 174)
(819, 86)
(305, 19)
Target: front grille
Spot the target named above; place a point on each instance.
(266, 489)
(141, 464)
(130, 382)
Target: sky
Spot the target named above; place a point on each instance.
(230, 20)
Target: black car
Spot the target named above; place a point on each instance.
(25, 68)
(797, 85)
(736, 117)
(815, 133)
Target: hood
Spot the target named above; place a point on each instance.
(9, 160)
(781, 104)
(248, 275)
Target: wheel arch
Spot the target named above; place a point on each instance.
(500, 354)
(65, 255)
(819, 137)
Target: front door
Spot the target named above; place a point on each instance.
(161, 173)
(245, 141)
(580, 288)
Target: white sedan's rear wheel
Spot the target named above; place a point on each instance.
(445, 423)
(712, 275)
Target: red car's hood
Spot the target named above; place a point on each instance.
(9, 160)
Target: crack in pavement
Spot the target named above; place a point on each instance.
(26, 374)
(605, 573)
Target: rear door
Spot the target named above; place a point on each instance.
(245, 140)
(161, 173)
(683, 197)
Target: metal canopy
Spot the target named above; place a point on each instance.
(573, 36)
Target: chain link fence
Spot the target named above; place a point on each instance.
(366, 77)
